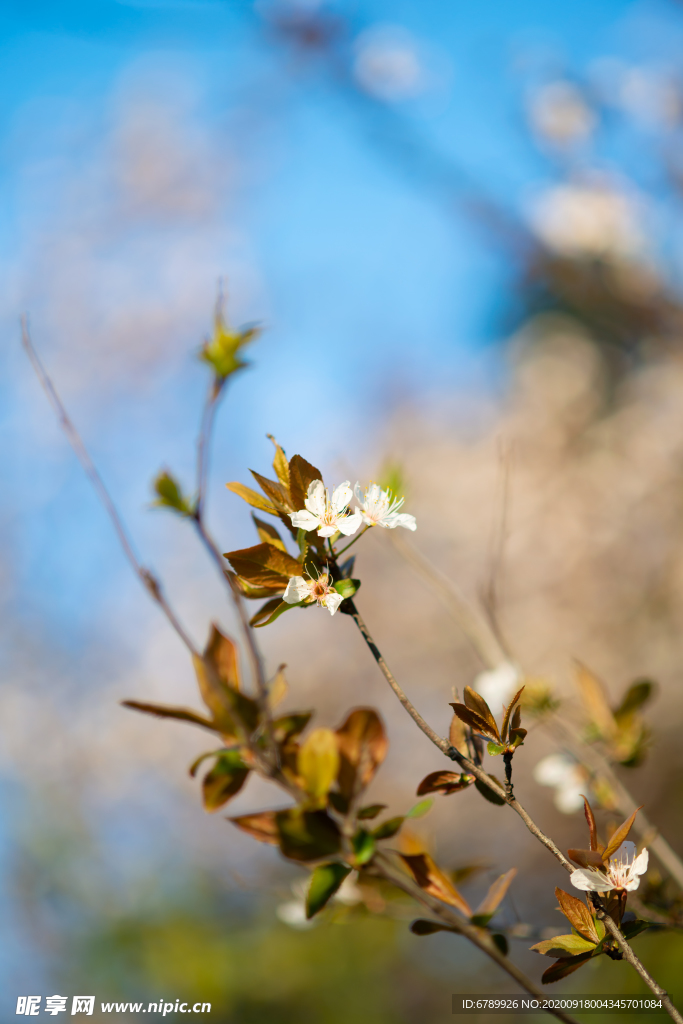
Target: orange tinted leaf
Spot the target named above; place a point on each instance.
(222, 653)
(261, 826)
(280, 464)
(475, 722)
(578, 915)
(444, 782)
(301, 476)
(619, 835)
(225, 779)
(252, 498)
(264, 565)
(433, 881)
(362, 746)
(595, 701)
(268, 534)
(457, 736)
(475, 702)
(494, 897)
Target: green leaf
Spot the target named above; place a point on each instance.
(192, 770)
(638, 694)
(421, 808)
(371, 811)
(169, 495)
(495, 748)
(290, 725)
(563, 945)
(388, 828)
(325, 881)
(633, 928)
(487, 793)
(307, 835)
(501, 943)
(223, 350)
(347, 588)
(225, 779)
(363, 844)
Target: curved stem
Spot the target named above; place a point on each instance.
(476, 936)
(336, 554)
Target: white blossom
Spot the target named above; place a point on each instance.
(381, 508)
(622, 871)
(567, 778)
(498, 685)
(310, 590)
(327, 516)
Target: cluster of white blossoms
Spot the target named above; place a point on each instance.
(569, 780)
(332, 515)
(622, 871)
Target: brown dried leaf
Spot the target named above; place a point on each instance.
(508, 712)
(261, 826)
(301, 476)
(362, 746)
(475, 722)
(475, 702)
(619, 835)
(444, 782)
(252, 497)
(578, 915)
(596, 701)
(433, 881)
(264, 565)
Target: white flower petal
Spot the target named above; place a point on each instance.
(297, 590)
(403, 519)
(569, 798)
(554, 770)
(358, 492)
(315, 499)
(365, 517)
(625, 852)
(304, 520)
(639, 866)
(327, 531)
(341, 497)
(590, 881)
(332, 601)
(349, 524)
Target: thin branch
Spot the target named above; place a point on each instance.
(635, 962)
(148, 579)
(476, 936)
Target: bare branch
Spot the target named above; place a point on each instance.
(147, 578)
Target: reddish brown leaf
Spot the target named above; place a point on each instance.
(264, 565)
(167, 711)
(301, 476)
(362, 746)
(592, 827)
(565, 966)
(457, 736)
(222, 653)
(268, 534)
(261, 826)
(578, 915)
(619, 835)
(585, 858)
(475, 702)
(475, 722)
(433, 881)
(274, 491)
(444, 782)
(508, 712)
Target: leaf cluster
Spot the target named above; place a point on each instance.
(622, 728)
(476, 714)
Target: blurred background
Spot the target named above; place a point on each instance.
(460, 228)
